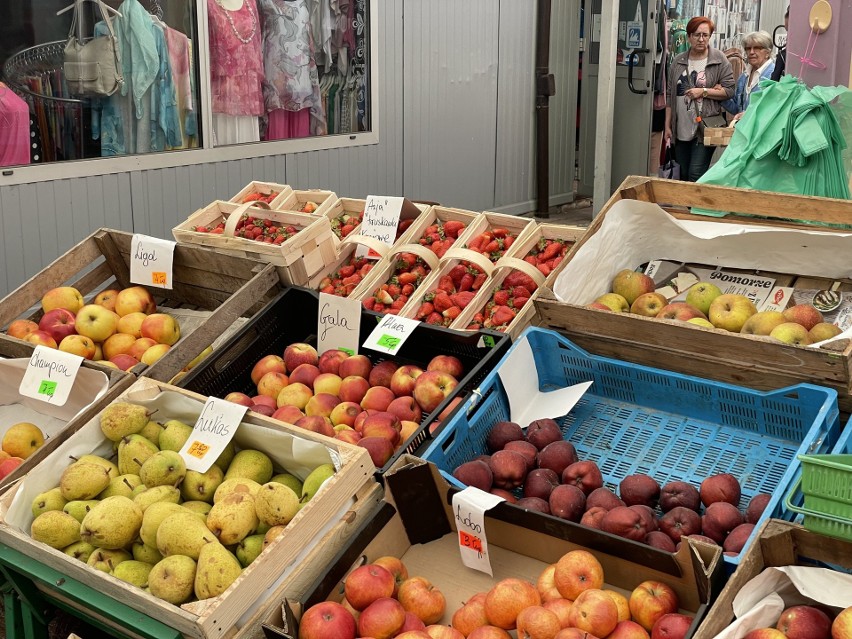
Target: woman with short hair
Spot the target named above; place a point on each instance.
(758, 48)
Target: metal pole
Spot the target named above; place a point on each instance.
(545, 87)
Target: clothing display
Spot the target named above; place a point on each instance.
(236, 60)
(14, 128)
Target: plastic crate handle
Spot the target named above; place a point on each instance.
(802, 510)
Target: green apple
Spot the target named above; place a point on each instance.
(701, 295)
(730, 311)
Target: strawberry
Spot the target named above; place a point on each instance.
(466, 282)
(521, 291)
(426, 309)
(500, 232)
(446, 284)
(479, 280)
(502, 315)
(383, 297)
(457, 273)
(544, 268)
(452, 312)
(516, 278)
(407, 289)
(452, 228)
(519, 302)
(442, 302)
(369, 303)
(501, 297)
(435, 318)
(407, 278)
(462, 299)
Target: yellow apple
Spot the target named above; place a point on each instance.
(701, 295)
(762, 323)
(700, 321)
(96, 322)
(106, 298)
(40, 338)
(133, 300)
(116, 344)
(730, 311)
(154, 353)
(22, 439)
(162, 328)
(131, 323)
(78, 345)
(791, 333)
(66, 297)
(823, 331)
(198, 358)
(614, 302)
(99, 353)
(109, 364)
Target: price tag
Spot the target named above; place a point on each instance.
(391, 333)
(469, 507)
(215, 427)
(338, 324)
(50, 375)
(151, 261)
(381, 217)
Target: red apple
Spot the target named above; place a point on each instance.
(382, 619)
(327, 620)
(604, 498)
(680, 311)
(639, 489)
(264, 400)
(411, 626)
(377, 398)
(316, 424)
(557, 456)
(576, 571)
(471, 615)
(502, 433)
(160, 327)
(475, 473)
(446, 364)
(404, 379)
(437, 631)
(432, 387)
(356, 365)
(567, 502)
(124, 362)
(804, 622)
(721, 487)
(537, 621)
(9, 464)
(379, 448)
(679, 493)
(353, 388)
(58, 323)
(650, 600)
(267, 364)
(419, 596)
(770, 633)
(272, 384)
(542, 432)
(329, 361)
(527, 450)
(406, 409)
(305, 374)
(239, 398)
(40, 338)
(20, 328)
(382, 373)
(680, 522)
(287, 413)
(506, 599)
(671, 626)
(627, 629)
(395, 567)
(594, 612)
(624, 522)
(366, 584)
(299, 353)
(584, 474)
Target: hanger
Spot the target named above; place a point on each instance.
(77, 3)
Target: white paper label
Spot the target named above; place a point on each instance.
(469, 506)
(381, 218)
(151, 261)
(215, 427)
(338, 324)
(526, 402)
(50, 375)
(391, 333)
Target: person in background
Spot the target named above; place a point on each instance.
(781, 58)
(758, 48)
(699, 79)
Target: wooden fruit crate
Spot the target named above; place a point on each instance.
(297, 199)
(571, 234)
(298, 258)
(216, 617)
(753, 361)
(385, 268)
(518, 226)
(345, 205)
(284, 191)
(345, 252)
(226, 286)
(718, 136)
(442, 214)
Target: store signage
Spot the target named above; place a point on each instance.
(151, 261)
(50, 375)
(381, 217)
(216, 426)
(338, 324)
(391, 333)
(469, 506)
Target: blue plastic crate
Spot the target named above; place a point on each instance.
(637, 419)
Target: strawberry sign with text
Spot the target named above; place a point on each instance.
(216, 426)
(151, 261)
(381, 219)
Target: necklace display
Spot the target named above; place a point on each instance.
(242, 39)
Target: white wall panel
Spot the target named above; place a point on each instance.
(564, 64)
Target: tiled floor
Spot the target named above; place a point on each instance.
(577, 213)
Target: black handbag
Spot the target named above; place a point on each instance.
(669, 169)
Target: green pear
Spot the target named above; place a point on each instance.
(183, 533)
(272, 534)
(233, 518)
(172, 579)
(55, 528)
(79, 508)
(151, 432)
(276, 504)
(163, 468)
(315, 480)
(158, 493)
(289, 480)
(123, 418)
(261, 528)
(226, 456)
(198, 507)
(146, 553)
(248, 549)
(236, 485)
(106, 559)
(48, 500)
(174, 435)
(103, 461)
(250, 464)
(153, 517)
(138, 490)
(122, 485)
(201, 486)
(217, 569)
(83, 480)
(112, 523)
(133, 450)
(133, 572)
(79, 550)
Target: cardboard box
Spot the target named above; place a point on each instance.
(416, 524)
(290, 448)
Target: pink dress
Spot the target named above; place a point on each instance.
(236, 67)
(14, 128)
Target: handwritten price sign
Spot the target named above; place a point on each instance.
(473, 542)
(50, 375)
(151, 261)
(389, 336)
(469, 506)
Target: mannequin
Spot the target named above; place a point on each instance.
(236, 70)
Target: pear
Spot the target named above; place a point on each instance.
(272, 534)
(183, 533)
(123, 418)
(106, 559)
(79, 508)
(201, 486)
(103, 461)
(146, 553)
(112, 523)
(83, 480)
(250, 464)
(226, 456)
(153, 517)
(261, 528)
(133, 450)
(79, 550)
(198, 507)
(163, 468)
(133, 572)
(290, 480)
(48, 500)
(248, 549)
(233, 518)
(150, 496)
(276, 504)
(315, 480)
(217, 569)
(56, 529)
(151, 432)
(122, 485)
(138, 490)
(174, 435)
(172, 579)
(236, 485)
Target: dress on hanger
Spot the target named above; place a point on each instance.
(14, 128)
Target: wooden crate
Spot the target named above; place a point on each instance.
(297, 259)
(570, 234)
(386, 267)
(217, 617)
(345, 252)
(753, 361)
(297, 199)
(718, 135)
(284, 191)
(226, 286)
(522, 228)
(442, 214)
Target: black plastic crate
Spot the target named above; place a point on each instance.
(292, 317)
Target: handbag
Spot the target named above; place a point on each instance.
(92, 66)
(714, 121)
(669, 169)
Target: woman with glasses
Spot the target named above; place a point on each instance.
(699, 79)
(758, 48)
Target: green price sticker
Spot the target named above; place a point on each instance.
(47, 388)
(488, 341)
(388, 341)
(348, 351)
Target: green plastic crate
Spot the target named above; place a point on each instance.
(826, 483)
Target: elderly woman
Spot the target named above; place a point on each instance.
(699, 79)
(758, 48)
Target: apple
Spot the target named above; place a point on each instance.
(20, 328)
(58, 323)
(305, 374)
(239, 398)
(576, 571)
(628, 629)
(406, 409)
(316, 424)
(272, 383)
(805, 314)
(413, 627)
(584, 474)
(420, 596)
(491, 632)
(631, 284)
(106, 299)
(671, 626)
(379, 448)
(804, 622)
(40, 338)
(327, 620)
(326, 383)
(124, 361)
(363, 415)
(471, 615)
(118, 343)
(9, 464)
(347, 435)
(329, 361)
(824, 331)
(353, 388)
(561, 608)
(598, 306)
(154, 354)
(650, 600)
(366, 584)
(299, 353)
(701, 295)
(446, 364)
(78, 345)
(762, 323)
(648, 304)
(769, 633)
(294, 395)
(264, 400)
(700, 321)
(356, 365)
(345, 413)
(437, 631)
(395, 566)
(594, 612)
(730, 311)
(66, 297)
(135, 299)
(377, 398)
(432, 387)
(613, 302)
(267, 364)
(96, 322)
(791, 333)
(404, 378)
(162, 328)
(535, 622)
(720, 487)
(382, 619)
(679, 493)
(382, 373)
(408, 430)
(546, 584)
(621, 604)
(841, 627)
(287, 413)
(131, 324)
(321, 404)
(506, 599)
(680, 311)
